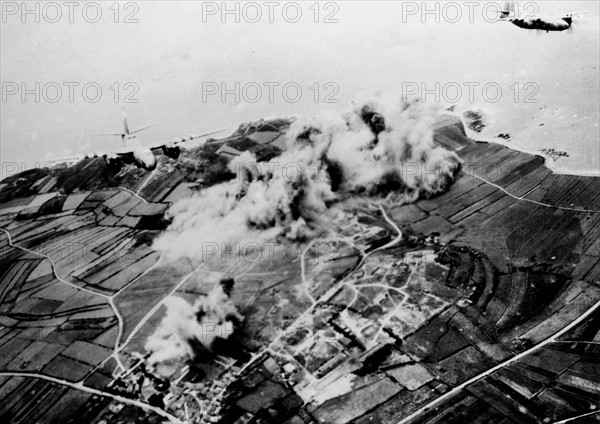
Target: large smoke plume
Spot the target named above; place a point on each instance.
(377, 146)
(185, 327)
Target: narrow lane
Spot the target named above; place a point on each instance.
(80, 386)
(510, 361)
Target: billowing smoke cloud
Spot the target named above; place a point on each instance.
(378, 146)
(186, 327)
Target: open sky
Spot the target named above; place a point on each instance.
(169, 58)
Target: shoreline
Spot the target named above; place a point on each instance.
(550, 163)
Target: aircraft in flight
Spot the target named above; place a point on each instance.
(135, 152)
(552, 23)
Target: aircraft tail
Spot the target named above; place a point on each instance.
(570, 17)
(126, 130)
(508, 11)
(125, 125)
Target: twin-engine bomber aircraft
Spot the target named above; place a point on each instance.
(556, 23)
(135, 152)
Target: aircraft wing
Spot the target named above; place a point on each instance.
(180, 140)
(124, 153)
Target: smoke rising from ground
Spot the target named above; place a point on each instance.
(185, 326)
(376, 147)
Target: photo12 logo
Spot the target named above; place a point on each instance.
(470, 11)
(269, 91)
(70, 92)
(253, 252)
(9, 169)
(69, 11)
(469, 91)
(270, 11)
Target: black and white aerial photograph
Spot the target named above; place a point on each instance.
(300, 212)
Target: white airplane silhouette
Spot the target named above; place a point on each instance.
(134, 151)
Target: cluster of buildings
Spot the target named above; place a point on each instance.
(192, 401)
